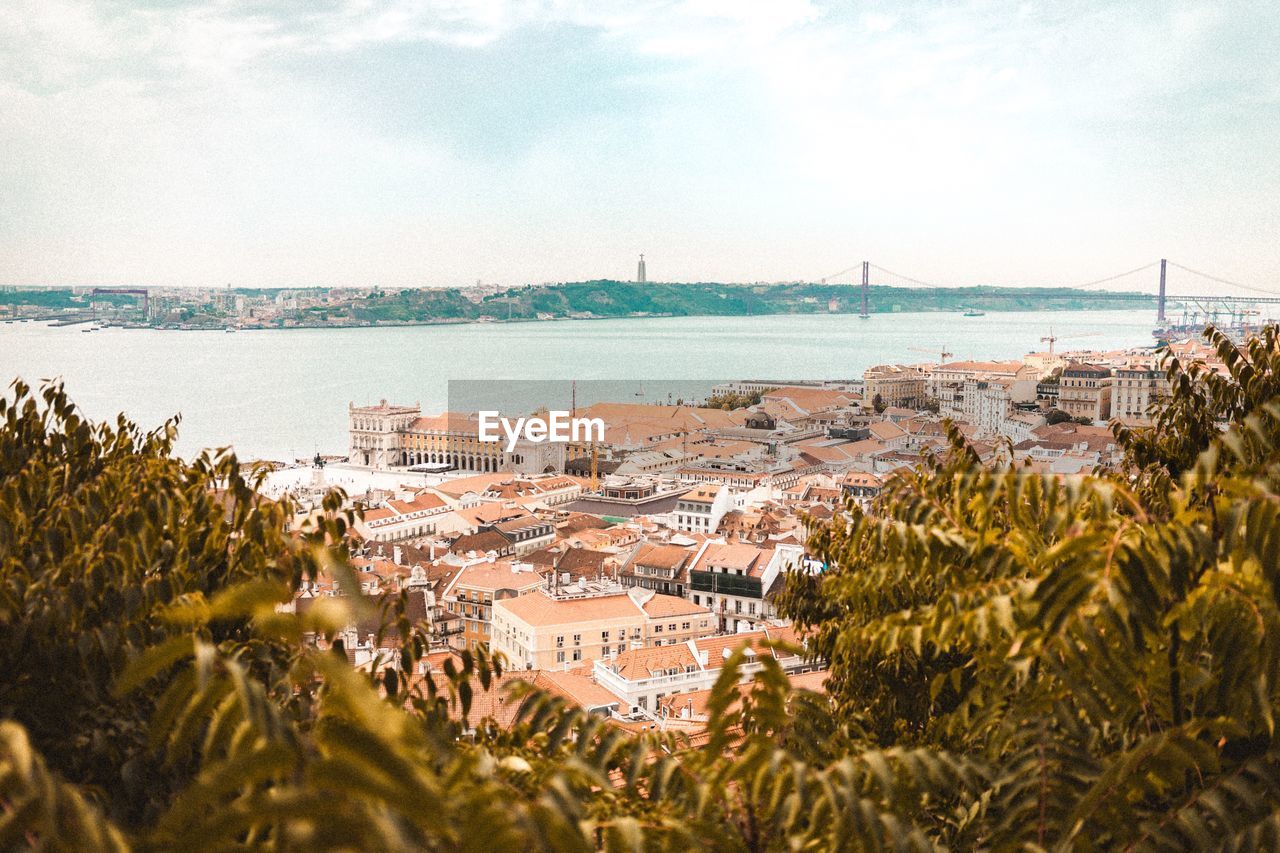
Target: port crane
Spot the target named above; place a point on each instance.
(942, 354)
(1051, 338)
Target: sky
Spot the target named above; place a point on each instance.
(383, 142)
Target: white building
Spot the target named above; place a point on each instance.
(642, 677)
(376, 432)
(735, 579)
(1135, 387)
(569, 626)
(701, 510)
(403, 517)
(1020, 426)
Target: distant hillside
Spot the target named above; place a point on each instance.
(629, 299)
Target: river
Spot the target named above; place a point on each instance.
(283, 394)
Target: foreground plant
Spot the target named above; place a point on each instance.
(1017, 662)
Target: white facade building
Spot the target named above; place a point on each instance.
(702, 509)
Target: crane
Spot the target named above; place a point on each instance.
(1051, 337)
(942, 354)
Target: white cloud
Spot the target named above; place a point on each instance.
(766, 135)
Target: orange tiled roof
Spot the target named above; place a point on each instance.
(541, 610)
(635, 664)
(495, 576)
(662, 606)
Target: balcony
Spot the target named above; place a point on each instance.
(724, 583)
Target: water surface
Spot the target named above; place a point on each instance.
(284, 393)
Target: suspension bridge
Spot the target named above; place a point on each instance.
(1208, 305)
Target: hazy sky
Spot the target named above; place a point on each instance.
(387, 142)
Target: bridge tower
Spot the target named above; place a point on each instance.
(866, 265)
(1160, 300)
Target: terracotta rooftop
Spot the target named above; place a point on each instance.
(495, 576)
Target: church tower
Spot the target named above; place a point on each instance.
(640, 276)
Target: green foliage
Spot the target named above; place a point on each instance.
(101, 530)
(731, 400)
(605, 298)
(1106, 649)
(1017, 662)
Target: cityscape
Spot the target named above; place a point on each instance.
(753, 426)
(681, 522)
(1198, 299)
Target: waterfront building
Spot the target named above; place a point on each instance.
(953, 384)
(376, 432)
(390, 436)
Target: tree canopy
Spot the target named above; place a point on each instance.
(1016, 661)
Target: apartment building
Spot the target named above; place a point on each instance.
(862, 486)
(895, 385)
(953, 384)
(403, 517)
(565, 628)
(661, 568)
(1020, 425)
(700, 510)
(641, 678)
(734, 580)
(525, 534)
(473, 590)
(1085, 391)
(1135, 387)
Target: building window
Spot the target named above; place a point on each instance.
(560, 642)
(657, 629)
(559, 657)
(604, 636)
(577, 654)
(684, 626)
